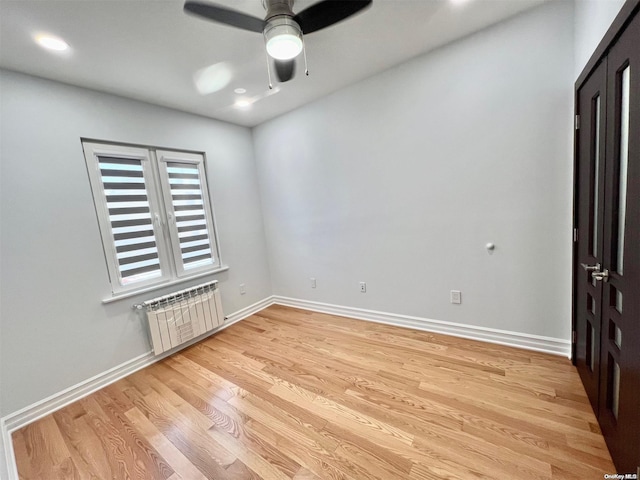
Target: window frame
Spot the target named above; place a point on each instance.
(160, 205)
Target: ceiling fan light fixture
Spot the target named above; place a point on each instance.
(283, 37)
(281, 28)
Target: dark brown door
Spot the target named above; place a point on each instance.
(607, 259)
(592, 101)
(619, 408)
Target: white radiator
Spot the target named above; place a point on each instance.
(176, 318)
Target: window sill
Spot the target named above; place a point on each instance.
(133, 293)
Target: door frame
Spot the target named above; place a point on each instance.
(627, 12)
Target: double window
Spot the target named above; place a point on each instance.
(154, 213)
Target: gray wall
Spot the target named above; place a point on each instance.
(55, 330)
(402, 179)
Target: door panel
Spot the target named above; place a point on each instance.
(619, 407)
(590, 172)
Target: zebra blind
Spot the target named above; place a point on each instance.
(187, 200)
(152, 205)
(130, 218)
(190, 216)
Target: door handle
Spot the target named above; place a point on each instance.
(601, 276)
(596, 274)
(590, 268)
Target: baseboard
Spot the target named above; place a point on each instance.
(31, 413)
(8, 468)
(58, 400)
(248, 311)
(555, 346)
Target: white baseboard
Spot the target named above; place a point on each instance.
(8, 468)
(556, 346)
(31, 413)
(58, 400)
(248, 311)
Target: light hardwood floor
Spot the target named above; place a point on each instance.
(290, 394)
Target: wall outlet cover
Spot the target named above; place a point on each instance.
(456, 297)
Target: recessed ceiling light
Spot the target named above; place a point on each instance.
(51, 43)
(243, 103)
(246, 103)
(459, 2)
(240, 91)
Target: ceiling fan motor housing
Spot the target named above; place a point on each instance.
(277, 7)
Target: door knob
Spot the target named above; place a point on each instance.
(590, 268)
(602, 276)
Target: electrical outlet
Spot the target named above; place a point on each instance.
(313, 282)
(363, 287)
(456, 296)
(243, 289)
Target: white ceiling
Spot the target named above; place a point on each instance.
(150, 50)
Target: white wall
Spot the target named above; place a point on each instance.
(55, 330)
(402, 179)
(592, 19)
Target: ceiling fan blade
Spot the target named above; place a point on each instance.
(328, 12)
(285, 70)
(220, 14)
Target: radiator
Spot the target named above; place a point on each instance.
(176, 318)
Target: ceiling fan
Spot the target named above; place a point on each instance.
(282, 29)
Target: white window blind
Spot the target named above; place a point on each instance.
(130, 218)
(154, 214)
(186, 198)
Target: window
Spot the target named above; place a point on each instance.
(154, 214)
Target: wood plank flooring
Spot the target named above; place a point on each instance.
(290, 394)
